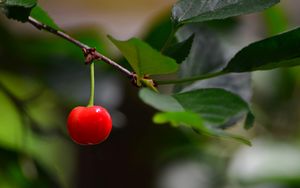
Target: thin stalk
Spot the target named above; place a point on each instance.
(41, 26)
(192, 79)
(92, 88)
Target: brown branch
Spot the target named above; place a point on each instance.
(90, 53)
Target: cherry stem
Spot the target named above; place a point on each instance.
(92, 89)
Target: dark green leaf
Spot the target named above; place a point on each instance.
(20, 3)
(17, 9)
(143, 59)
(159, 33)
(249, 120)
(186, 11)
(224, 26)
(159, 101)
(17, 13)
(279, 51)
(39, 14)
(181, 50)
(216, 106)
(206, 54)
(210, 59)
(239, 84)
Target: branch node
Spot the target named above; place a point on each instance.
(145, 81)
(134, 80)
(90, 55)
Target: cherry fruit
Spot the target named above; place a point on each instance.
(89, 125)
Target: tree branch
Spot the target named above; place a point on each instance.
(90, 53)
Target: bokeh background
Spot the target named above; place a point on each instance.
(43, 77)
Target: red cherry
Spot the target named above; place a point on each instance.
(89, 125)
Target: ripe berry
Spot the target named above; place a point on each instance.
(89, 125)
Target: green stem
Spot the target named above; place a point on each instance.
(192, 79)
(92, 91)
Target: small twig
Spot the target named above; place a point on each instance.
(90, 53)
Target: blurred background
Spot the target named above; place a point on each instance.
(43, 77)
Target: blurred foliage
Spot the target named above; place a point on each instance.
(35, 150)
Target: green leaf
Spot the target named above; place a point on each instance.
(279, 51)
(11, 129)
(21, 3)
(194, 121)
(159, 101)
(239, 84)
(211, 58)
(222, 134)
(198, 109)
(17, 9)
(159, 33)
(176, 119)
(186, 11)
(249, 120)
(276, 20)
(216, 106)
(39, 14)
(143, 59)
(48, 151)
(180, 50)
(20, 86)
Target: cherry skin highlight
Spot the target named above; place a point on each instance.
(89, 125)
